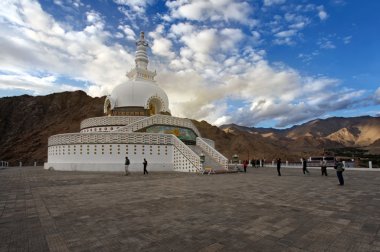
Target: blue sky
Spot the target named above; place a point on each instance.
(264, 63)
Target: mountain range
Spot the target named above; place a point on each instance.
(26, 122)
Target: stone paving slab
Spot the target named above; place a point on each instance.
(44, 210)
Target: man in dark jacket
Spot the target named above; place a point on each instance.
(145, 163)
(339, 172)
(279, 166)
(304, 166)
(126, 165)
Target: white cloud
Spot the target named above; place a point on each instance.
(69, 5)
(134, 11)
(284, 34)
(137, 6)
(347, 39)
(129, 33)
(273, 2)
(326, 43)
(162, 46)
(322, 14)
(230, 37)
(270, 93)
(180, 29)
(202, 42)
(37, 85)
(213, 10)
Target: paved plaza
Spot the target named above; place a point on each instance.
(44, 210)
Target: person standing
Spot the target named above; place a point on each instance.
(324, 167)
(145, 163)
(304, 166)
(245, 164)
(279, 166)
(126, 165)
(339, 172)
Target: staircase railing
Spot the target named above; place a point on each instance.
(187, 153)
(109, 121)
(158, 120)
(217, 156)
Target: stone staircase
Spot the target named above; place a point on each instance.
(209, 161)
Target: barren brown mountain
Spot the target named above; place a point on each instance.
(26, 122)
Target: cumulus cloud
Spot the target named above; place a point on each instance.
(266, 92)
(128, 32)
(137, 6)
(36, 41)
(201, 10)
(161, 46)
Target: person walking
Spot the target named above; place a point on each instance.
(145, 163)
(324, 167)
(304, 166)
(245, 164)
(339, 172)
(279, 166)
(126, 165)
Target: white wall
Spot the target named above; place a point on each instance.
(110, 157)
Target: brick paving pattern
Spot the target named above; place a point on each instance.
(86, 211)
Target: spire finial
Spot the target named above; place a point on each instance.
(141, 59)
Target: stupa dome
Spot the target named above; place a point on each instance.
(140, 95)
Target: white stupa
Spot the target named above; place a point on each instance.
(138, 124)
(140, 95)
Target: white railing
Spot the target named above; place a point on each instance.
(209, 142)
(217, 156)
(190, 155)
(158, 120)
(4, 164)
(109, 121)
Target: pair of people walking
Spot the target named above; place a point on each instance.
(127, 163)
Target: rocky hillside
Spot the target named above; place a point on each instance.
(26, 122)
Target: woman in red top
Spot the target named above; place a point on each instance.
(245, 164)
